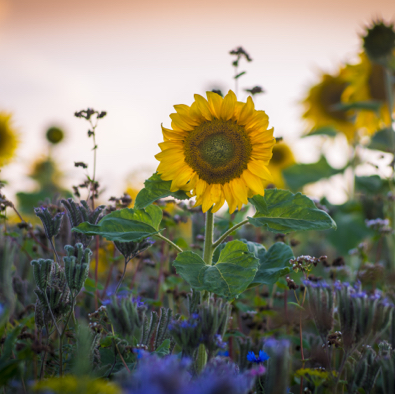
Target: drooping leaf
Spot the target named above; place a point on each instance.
(155, 188)
(282, 211)
(228, 277)
(273, 265)
(299, 175)
(382, 140)
(326, 130)
(125, 225)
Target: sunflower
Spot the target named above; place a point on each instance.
(282, 158)
(367, 82)
(320, 103)
(217, 150)
(8, 139)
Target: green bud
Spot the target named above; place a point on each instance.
(148, 329)
(76, 265)
(379, 42)
(161, 332)
(38, 315)
(55, 135)
(51, 224)
(245, 345)
(41, 271)
(78, 214)
(348, 322)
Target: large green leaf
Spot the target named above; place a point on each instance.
(125, 225)
(273, 265)
(228, 277)
(254, 247)
(281, 211)
(382, 140)
(155, 188)
(299, 175)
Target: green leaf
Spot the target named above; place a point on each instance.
(280, 211)
(273, 265)
(164, 348)
(368, 105)
(326, 130)
(125, 225)
(155, 188)
(369, 184)
(382, 140)
(228, 277)
(299, 175)
(239, 75)
(254, 247)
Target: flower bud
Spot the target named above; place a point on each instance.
(129, 250)
(76, 265)
(41, 271)
(51, 224)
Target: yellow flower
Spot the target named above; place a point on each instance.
(76, 385)
(217, 150)
(320, 102)
(282, 159)
(8, 139)
(367, 82)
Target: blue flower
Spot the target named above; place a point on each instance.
(263, 356)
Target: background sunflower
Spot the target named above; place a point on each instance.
(282, 158)
(366, 81)
(320, 102)
(8, 139)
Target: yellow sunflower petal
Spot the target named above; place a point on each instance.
(228, 106)
(246, 112)
(203, 106)
(254, 182)
(219, 204)
(184, 112)
(215, 103)
(257, 168)
(260, 120)
(169, 134)
(240, 190)
(181, 123)
(229, 197)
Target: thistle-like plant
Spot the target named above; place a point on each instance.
(76, 266)
(78, 214)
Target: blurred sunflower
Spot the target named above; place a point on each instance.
(8, 139)
(282, 158)
(320, 102)
(217, 150)
(367, 82)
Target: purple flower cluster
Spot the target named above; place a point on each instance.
(170, 375)
(316, 285)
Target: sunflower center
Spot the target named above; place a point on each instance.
(330, 96)
(278, 155)
(218, 150)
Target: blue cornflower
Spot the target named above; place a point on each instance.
(263, 356)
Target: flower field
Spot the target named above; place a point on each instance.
(223, 273)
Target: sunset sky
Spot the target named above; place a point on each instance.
(136, 59)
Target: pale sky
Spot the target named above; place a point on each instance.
(136, 59)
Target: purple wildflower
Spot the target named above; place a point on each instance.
(263, 356)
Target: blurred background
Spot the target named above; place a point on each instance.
(136, 59)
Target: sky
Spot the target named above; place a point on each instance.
(136, 59)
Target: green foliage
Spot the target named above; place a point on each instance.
(368, 105)
(372, 184)
(228, 277)
(126, 224)
(382, 140)
(155, 188)
(282, 211)
(300, 175)
(273, 264)
(326, 130)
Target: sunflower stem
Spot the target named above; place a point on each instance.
(168, 241)
(208, 238)
(227, 233)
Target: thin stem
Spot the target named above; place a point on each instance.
(54, 249)
(42, 369)
(120, 355)
(96, 270)
(208, 238)
(50, 311)
(123, 275)
(227, 233)
(169, 242)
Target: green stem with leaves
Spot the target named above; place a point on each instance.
(163, 238)
(208, 238)
(227, 233)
